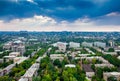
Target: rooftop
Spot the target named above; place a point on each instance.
(87, 68)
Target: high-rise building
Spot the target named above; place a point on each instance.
(100, 44)
(87, 44)
(74, 45)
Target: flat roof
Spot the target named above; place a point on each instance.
(87, 68)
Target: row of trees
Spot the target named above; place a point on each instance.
(112, 59)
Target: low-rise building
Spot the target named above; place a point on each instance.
(18, 60)
(39, 59)
(89, 51)
(6, 70)
(14, 54)
(9, 57)
(70, 65)
(57, 56)
(61, 46)
(106, 75)
(104, 65)
(7, 46)
(84, 55)
(111, 53)
(118, 57)
(32, 71)
(88, 70)
(1, 60)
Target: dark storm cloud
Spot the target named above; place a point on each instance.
(60, 9)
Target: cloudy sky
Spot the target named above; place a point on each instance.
(60, 15)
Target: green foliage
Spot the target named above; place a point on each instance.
(95, 78)
(47, 77)
(112, 59)
(5, 53)
(112, 78)
(99, 72)
(57, 63)
(111, 50)
(38, 78)
(5, 78)
(73, 74)
(28, 52)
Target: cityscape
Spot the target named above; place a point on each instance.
(59, 40)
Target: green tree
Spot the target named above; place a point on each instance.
(57, 63)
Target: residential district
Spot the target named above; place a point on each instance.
(59, 56)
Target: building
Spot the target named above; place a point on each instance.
(9, 57)
(104, 65)
(100, 44)
(87, 44)
(32, 71)
(89, 51)
(14, 54)
(118, 57)
(70, 65)
(83, 55)
(6, 70)
(112, 43)
(57, 56)
(1, 60)
(74, 45)
(88, 70)
(39, 59)
(106, 75)
(61, 46)
(95, 57)
(18, 60)
(21, 49)
(7, 46)
(111, 53)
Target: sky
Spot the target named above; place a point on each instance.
(60, 15)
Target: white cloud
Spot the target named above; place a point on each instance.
(113, 14)
(32, 1)
(44, 23)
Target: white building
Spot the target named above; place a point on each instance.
(9, 57)
(111, 53)
(104, 65)
(57, 56)
(112, 43)
(70, 65)
(18, 60)
(87, 44)
(7, 46)
(118, 57)
(14, 54)
(6, 70)
(89, 51)
(74, 45)
(106, 75)
(32, 71)
(100, 44)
